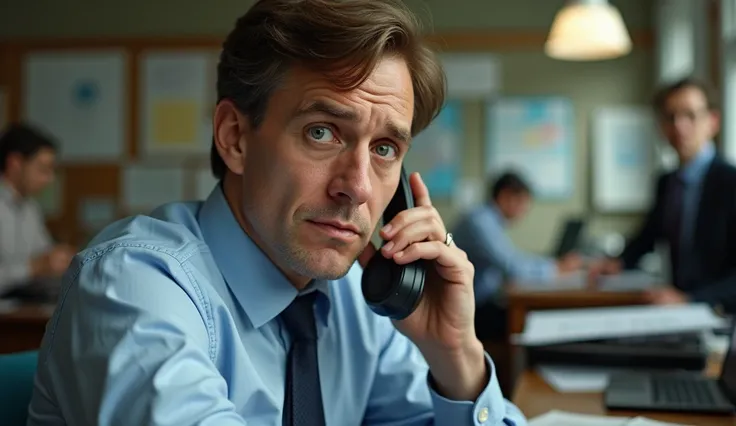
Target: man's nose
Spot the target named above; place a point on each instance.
(353, 182)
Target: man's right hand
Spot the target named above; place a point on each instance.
(52, 263)
(604, 267)
(569, 263)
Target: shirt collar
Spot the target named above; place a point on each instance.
(6, 191)
(258, 285)
(9, 194)
(697, 167)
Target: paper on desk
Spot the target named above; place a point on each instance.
(643, 421)
(716, 344)
(8, 305)
(572, 281)
(570, 325)
(563, 418)
(625, 281)
(576, 379)
(628, 281)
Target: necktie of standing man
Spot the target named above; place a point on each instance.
(303, 394)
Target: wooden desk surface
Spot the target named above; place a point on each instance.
(27, 314)
(535, 397)
(22, 327)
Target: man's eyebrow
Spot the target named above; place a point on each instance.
(400, 133)
(320, 107)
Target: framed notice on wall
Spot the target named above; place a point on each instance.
(80, 99)
(624, 158)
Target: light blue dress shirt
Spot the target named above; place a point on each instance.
(692, 175)
(481, 233)
(172, 319)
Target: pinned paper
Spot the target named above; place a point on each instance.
(177, 96)
(175, 122)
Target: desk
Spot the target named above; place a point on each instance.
(520, 301)
(22, 327)
(535, 397)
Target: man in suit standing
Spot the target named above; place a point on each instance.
(694, 210)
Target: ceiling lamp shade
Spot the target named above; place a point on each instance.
(588, 30)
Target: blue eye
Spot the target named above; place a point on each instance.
(386, 150)
(320, 134)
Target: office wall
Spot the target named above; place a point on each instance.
(525, 70)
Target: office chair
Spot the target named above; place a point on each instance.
(17, 371)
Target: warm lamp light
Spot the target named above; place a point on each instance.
(588, 30)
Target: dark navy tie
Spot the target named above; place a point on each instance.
(303, 395)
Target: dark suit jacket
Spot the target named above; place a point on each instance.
(714, 241)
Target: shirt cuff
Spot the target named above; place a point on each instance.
(488, 410)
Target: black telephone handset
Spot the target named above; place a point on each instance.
(390, 289)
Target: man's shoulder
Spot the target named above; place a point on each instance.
(479, 216)
(725, 172)
(171, 230)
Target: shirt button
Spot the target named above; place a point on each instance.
(483, 415)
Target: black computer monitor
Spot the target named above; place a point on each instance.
(570, 237)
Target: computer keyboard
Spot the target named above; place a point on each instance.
(682, 391)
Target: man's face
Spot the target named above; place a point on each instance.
(514, 205)
(33, 174)
(318, 172)
(687, 122)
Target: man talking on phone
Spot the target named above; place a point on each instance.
(246, 309)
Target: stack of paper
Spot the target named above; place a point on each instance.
(563, 418)
(575, 325)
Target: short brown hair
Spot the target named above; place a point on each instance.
(663, 94)
(343, 39)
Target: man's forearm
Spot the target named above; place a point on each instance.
(460, 375)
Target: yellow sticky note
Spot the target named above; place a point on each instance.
(175, 122)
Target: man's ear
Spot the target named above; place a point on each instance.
(229, 129)
(715, 117)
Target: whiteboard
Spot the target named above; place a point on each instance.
(79, 98)
(624, 158)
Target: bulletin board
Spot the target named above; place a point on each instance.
(97, 97)
(115, 121)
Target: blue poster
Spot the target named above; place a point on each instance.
(533, 136)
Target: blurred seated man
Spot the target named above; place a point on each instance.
(482, 234)
(27, 253)
(694, 209)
